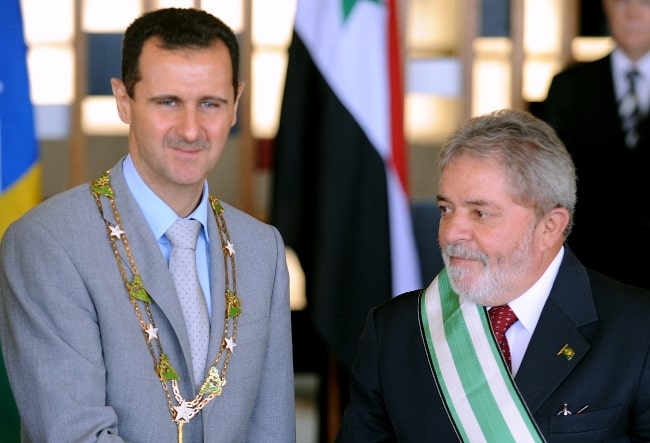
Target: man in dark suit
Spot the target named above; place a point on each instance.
(583, 106)
(574, 365)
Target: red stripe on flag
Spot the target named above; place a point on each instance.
(396, 92)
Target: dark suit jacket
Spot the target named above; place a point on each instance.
(393, 395)
(612, 222)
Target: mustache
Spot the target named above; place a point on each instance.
(460, 251)
(194, 145)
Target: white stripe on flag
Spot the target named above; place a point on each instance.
(405, 266)
(352, 56)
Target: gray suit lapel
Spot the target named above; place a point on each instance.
(150, 262)
(217, 288)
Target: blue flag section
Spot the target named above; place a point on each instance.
(20, 176)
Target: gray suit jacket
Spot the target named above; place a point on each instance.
(77, 359)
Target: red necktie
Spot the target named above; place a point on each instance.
(501, 318)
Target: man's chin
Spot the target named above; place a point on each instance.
(461, 285)
(469, 289)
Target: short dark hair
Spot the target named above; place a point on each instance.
(177, 28)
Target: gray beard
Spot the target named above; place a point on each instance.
(497, 276)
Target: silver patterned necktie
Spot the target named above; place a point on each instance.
(630, 112)
(182, 264)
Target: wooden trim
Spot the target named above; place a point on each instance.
(78, 141)
(247, 141)
(570, 24)
(517, 56)
(469, 31)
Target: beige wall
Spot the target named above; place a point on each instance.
(104, 151)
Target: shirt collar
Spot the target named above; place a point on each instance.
(621, 65)
(528, 306)
(158, 214)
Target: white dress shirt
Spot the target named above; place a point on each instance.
(528, 307)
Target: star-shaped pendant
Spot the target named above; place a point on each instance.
(151, 332)
(116, 231)
(230, 248)
(183, 412)
(230, 344)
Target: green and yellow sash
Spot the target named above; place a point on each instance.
(478, 391)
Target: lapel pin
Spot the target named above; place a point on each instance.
(567, 351)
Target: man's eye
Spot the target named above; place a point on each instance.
(210, 105)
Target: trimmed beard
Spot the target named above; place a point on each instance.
(498, 275)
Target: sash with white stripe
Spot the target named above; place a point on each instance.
(480, 396)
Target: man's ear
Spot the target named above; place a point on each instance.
(121, 100)
(553, 225)
(240, 89)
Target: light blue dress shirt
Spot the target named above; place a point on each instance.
(160, 217)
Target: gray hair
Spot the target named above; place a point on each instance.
(537, 165)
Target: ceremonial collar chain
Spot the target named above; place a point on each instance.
(141, 300)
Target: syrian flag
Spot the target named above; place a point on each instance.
(340, 196)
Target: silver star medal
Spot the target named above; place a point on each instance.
(116, 232)
(183, 412)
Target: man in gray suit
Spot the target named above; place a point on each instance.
(91, 327)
